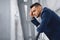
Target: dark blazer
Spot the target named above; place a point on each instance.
(50, 24)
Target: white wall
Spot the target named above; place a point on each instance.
(16, 30)
(53, 4)
(5, 20)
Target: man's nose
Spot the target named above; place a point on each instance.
(33, 13)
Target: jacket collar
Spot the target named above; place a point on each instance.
(44, 9)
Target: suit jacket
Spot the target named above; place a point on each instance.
(50, 24)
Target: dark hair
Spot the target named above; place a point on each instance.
(35, 4)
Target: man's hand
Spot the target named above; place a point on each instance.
(31, 14)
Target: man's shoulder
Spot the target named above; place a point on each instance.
(46, 12)
(47, 9)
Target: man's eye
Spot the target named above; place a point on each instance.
(34, 10)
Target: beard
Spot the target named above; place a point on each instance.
(39, 15)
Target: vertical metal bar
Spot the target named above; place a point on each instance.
(23, 19)
(31, 26)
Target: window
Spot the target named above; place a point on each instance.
(25, 6)
(25, 0)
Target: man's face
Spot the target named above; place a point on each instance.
(36, 11)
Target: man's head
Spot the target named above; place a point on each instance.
(35, 10)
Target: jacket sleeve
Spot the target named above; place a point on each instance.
(46, 17)
(35, 22)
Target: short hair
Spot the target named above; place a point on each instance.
(35, 4)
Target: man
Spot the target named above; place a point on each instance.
(50, 23)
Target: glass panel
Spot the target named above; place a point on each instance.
(25, 6)
(29, 30)
(58, 11)
(33, 1)
(25, 0)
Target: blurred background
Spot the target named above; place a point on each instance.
(15, 20)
